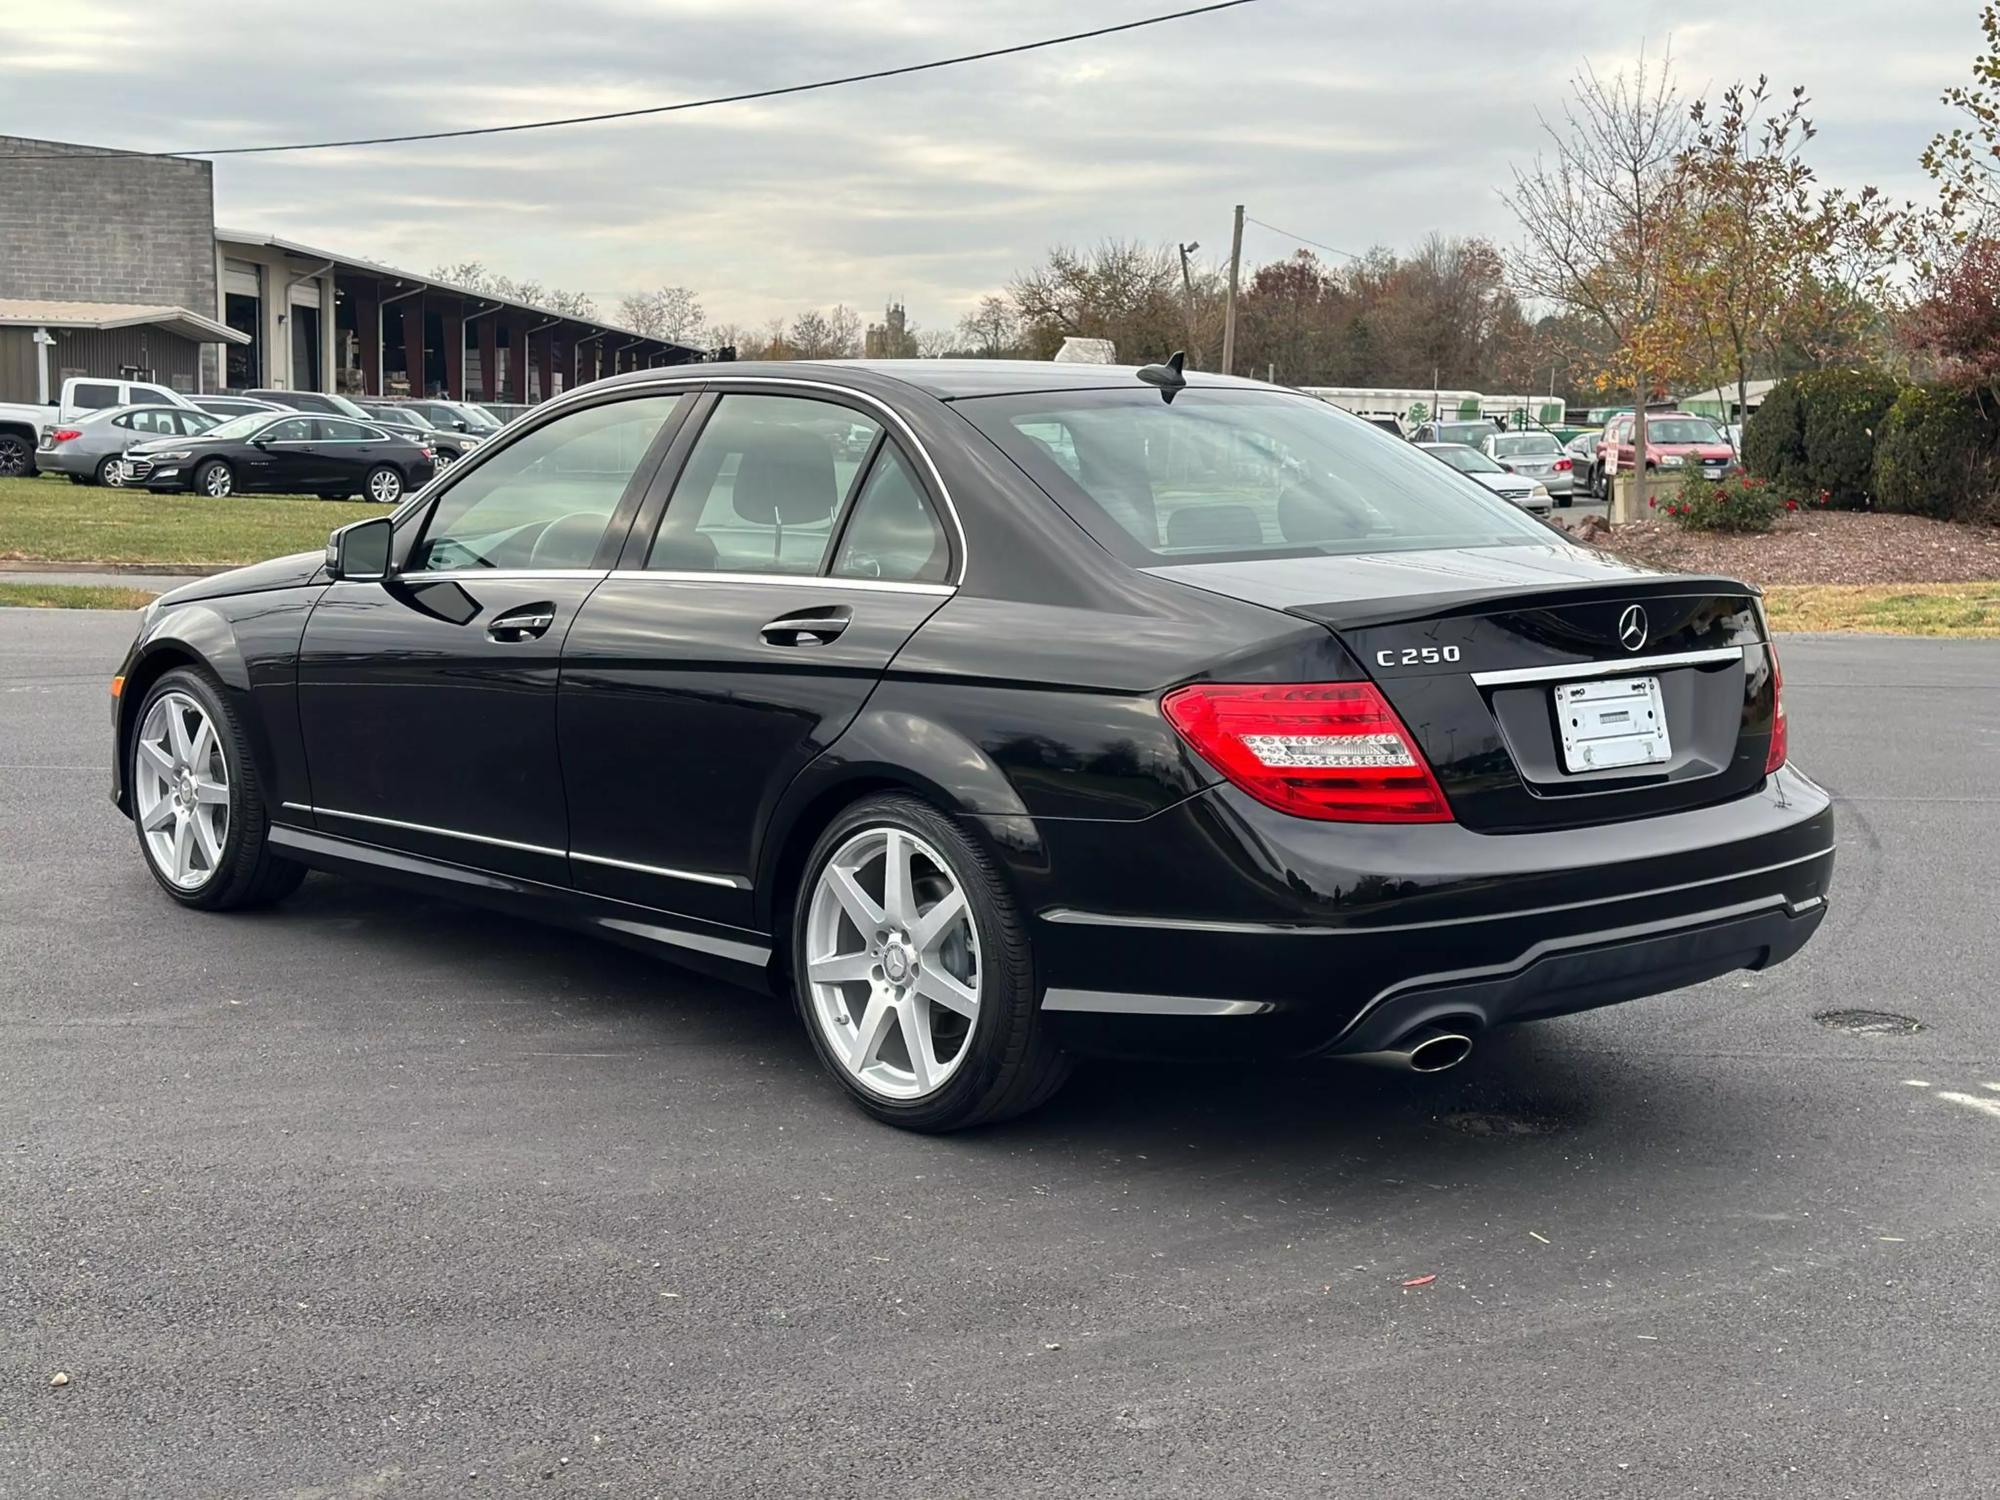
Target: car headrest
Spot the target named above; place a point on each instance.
(569, 541)
(1214, 526)
(1307, 518)
(787, 479)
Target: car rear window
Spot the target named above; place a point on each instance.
(1221, 474)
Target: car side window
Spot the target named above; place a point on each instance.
(94, 396)
(161, 422)
(893, 532)
(192, 422)
(291, 430)
(763, 488)
(544, 500)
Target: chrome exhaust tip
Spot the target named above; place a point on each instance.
(1429, 1049)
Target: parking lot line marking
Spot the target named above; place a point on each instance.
(1917, 1083)
(1973, 1101)
(1993, 1086)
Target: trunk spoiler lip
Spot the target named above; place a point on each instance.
(1366, 613)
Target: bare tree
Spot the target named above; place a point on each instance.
(936, 343)
(1596, 210)
(991, 330)
(476, 276)
(825, 335)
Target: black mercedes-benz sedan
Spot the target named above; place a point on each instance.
(287, 453)
(997, 713)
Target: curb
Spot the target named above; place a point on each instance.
(137, 570)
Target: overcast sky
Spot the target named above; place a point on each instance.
(1345, 121)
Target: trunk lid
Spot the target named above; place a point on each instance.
(1470, 645)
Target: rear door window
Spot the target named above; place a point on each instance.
(94, 395)
(893, 533)
(764, 486)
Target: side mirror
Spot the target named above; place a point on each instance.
(360, 553)
(260, 441)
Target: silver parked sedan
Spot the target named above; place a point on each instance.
(90, 447)
(1530, 494)
(1539, 456)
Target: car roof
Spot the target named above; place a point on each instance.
(947, 379)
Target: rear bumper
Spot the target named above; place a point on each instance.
(1269, 934)
(57, 460)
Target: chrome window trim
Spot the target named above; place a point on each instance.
(498, 575)
(1608, 668)
(797, 580)
(557, 404)
(729, 882)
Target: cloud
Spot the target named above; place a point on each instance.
(1354, 125)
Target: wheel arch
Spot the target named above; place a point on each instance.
(192, 636)
(882, 752)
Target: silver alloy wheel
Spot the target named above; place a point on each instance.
(112, 472)
(892, 963)
(181, 782)
(385, 486)
(217, 482)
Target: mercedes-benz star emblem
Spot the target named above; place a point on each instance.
(1632, 628)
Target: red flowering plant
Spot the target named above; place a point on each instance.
(1741, 502)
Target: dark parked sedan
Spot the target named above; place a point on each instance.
(1082, 709)
(285, 453)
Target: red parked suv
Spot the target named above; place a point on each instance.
(1674, 439)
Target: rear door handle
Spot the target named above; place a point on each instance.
(529, 622)
(807, 627)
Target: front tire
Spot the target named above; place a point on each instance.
(17, 456)
(196, 802)
(912, 970)
(215, 479)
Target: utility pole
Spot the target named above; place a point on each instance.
(1229, 312)
(1187, 284)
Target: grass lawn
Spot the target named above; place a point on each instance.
(52, 520)
(1964, 609)
(71, 596)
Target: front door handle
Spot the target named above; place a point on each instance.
(807, 627)
(529, 622)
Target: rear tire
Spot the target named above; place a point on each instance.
(208, 760)
(215, 479)
(999, 1061)
(17, 456)
(384, 485)
(111, 472)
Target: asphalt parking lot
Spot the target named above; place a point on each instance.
(380, 1196)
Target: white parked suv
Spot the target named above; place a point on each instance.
(22, 423)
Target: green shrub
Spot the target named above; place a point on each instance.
(1742, 502)
(1938, 454)
(1774, 438)
(1843, 411)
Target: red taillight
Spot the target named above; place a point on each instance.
(65, 435)
(1563, 466)
(1780, 731)
(1334, 751)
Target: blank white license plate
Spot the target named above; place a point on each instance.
(1612, 723)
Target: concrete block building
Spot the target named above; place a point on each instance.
(112, 265)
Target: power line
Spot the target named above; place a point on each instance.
(1331, 249)
(664, 109)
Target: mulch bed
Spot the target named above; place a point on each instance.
(1826, 547)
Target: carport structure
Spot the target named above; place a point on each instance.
(395, 332)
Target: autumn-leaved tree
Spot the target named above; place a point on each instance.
(1598, 209)
(1761, 267)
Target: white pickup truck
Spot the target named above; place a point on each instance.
(21, 423)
